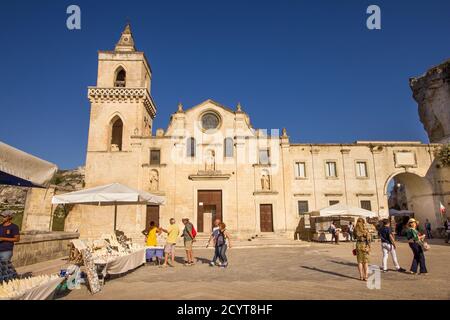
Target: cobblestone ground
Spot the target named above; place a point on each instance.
(320, 271)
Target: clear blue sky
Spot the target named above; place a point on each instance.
(310, 66)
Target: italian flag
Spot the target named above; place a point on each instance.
(442, 208)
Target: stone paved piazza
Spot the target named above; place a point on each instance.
(318, 271)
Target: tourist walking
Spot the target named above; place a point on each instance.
(447, 229)
(212, 238)
(334, 233)
(169, 249)
(351, 227)
(9, 234)
(388, 246)
(428, 229)
(415, 243)
(222, 242)
(189, 238)
(363, 238)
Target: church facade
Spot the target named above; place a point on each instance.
(212, 163)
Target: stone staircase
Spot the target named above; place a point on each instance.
(263, 240)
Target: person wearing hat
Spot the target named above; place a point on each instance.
(189, 238)
(414, 239)
(9, 234)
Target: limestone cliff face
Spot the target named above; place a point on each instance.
(432, 93)
(14, 198)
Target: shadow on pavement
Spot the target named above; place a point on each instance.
(330, 272)
(345, 263)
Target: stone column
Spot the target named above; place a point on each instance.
(38, 209)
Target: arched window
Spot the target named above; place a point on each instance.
(228, 147)
(121, 76)
(116, 134)
(190, 147)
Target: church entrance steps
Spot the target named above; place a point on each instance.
(261, 241)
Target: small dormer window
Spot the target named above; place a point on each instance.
(120, 78)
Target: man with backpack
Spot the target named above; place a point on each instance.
(189, 234)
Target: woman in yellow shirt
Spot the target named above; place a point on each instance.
(152, 235)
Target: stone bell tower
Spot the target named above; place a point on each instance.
(122, 108)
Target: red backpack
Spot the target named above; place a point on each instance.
(193, 232)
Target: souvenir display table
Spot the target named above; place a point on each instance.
(112, 254)
(121, 263)
(34, 288)
(157, 252)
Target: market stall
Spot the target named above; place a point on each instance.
(112, 194)
(154, 252)
(341, 215)
(111, 255)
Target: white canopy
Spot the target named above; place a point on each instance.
(344, 210)
(111, 194)
(22, 169)
(400, 213)
(114, 193)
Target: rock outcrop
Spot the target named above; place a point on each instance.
(14, 198)
(432, 93)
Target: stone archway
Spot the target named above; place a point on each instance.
(417, 196)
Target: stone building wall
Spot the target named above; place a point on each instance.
(38, 247)
(249, 187)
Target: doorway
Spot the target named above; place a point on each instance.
(152, 215)
(209, 209)
(266, 217)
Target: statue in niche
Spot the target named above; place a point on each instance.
(265, 181)
(154, 180)
(211, 161)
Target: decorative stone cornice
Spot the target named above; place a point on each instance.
(337, 194)
(264, 193)
(148, 165)
(209, 175)
(96, 95)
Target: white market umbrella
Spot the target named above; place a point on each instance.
(111, 194)
(19, 168)
(343, 210)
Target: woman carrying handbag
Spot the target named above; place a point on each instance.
(416, 243)
(362, 249)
